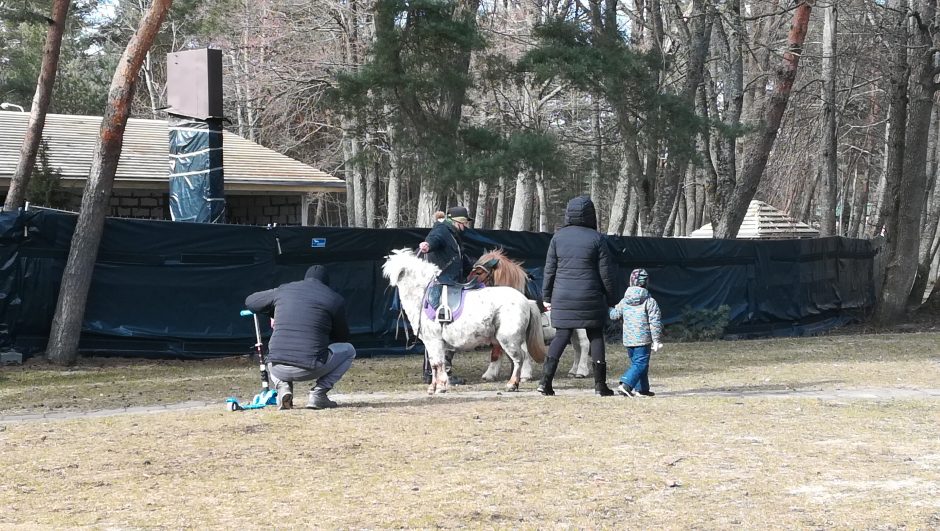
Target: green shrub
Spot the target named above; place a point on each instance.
(45, 186)
(701, 324)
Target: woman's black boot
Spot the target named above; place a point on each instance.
(600, 380)
(548, 374)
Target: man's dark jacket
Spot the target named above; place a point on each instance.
(580, 276)
(446, 252)
(308, 317)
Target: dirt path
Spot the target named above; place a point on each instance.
(418, 397)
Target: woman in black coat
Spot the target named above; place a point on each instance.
(578, 288)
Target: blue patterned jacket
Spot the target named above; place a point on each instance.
(641, 317)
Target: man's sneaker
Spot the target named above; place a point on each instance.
(319, 400)
(285, 401)
(647, 393)
(625, 390)
(285, 395)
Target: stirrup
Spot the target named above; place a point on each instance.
(444, 315)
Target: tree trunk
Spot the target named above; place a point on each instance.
(904, 216)
(371, 185)
(77, 276)
(542, 201)
(618, 209)
(359, 182)
(829, 168)
(667, 187)
(597, 159)
(320, 210)
(929, 230)
(428, 199)
(522, 205)
(755, 159)
(37, 115)
(722, 179)
(239, 103)
(499, 216)
(671, 223)
(479, 216)
(631, 220)
(351, 175)
(394, 180)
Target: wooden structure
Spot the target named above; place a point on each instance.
(763, 222)
(261, 185)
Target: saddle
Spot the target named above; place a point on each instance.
(444, 301)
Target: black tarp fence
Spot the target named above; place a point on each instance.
(175, 289)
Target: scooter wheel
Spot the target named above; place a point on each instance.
(231, 406)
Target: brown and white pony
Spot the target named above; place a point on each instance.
(508, 272)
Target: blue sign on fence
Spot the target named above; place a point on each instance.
(318, 243)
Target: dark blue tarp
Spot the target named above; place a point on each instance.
(165, 288)
(197, 189)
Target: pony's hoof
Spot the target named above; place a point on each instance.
(440, 391)
(431, 390)
(579, 376)
(512, 388)
(488, 378)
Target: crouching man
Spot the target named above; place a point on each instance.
(310, 337)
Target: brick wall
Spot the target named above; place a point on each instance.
(263, 209)
(139, 205)
(240, 209)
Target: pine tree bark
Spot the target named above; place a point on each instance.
(37, 116)
(77, 277)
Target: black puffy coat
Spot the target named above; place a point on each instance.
(308, 317)
(446, 252)
(579, 272)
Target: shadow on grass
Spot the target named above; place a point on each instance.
(421, 401)
(756, 389)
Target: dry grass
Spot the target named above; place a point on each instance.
(681, 460)
(891, 360)
(579, 462)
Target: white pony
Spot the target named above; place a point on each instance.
(489, 316)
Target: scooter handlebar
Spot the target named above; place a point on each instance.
(246, 313)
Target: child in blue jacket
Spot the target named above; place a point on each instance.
(642, 332)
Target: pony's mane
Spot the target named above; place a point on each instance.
(400, 260)
(508, 272)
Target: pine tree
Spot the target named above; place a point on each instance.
(45, 186)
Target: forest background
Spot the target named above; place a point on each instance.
(669, 113)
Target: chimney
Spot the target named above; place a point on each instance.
(194, 95)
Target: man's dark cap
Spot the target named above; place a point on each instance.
(459, 213)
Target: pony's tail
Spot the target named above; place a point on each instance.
(535, 341)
